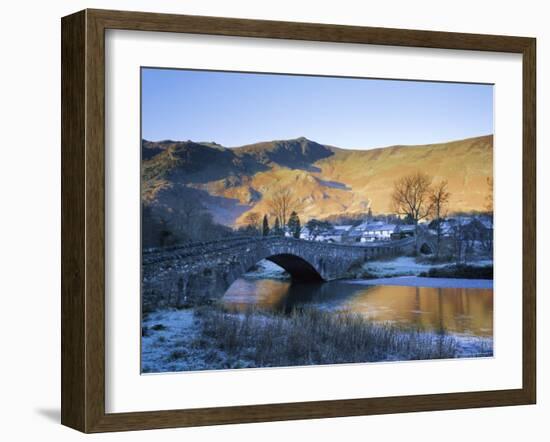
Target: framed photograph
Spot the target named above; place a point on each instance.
(269, 220)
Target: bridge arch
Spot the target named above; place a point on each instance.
(300, 271)
(302, 268)
(298, 268)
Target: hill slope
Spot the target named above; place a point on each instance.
(325, 180)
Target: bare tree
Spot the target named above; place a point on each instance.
(265, 226)
(185, 219)
(439, 199)
(281, 205)
(253, 221)
(459, 240)
(184, 215)
(411, 196)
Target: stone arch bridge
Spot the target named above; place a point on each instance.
(201, 272)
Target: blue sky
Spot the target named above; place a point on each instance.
(234, 109)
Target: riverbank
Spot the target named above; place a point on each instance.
(207, 338)
(411, 266)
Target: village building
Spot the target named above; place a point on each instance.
(305, 233)
(477, 226)
(404, 231)
(378, 232)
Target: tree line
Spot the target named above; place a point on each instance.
(283, 209)
(258, 225)
(417, 196)
(185, 220)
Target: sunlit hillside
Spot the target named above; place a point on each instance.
(325, 180)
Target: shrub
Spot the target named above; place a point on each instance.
(312, 337)
(460, 271)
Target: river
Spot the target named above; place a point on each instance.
(464, 310)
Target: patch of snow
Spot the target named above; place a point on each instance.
(167, 344)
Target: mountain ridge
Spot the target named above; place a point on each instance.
(327, 180)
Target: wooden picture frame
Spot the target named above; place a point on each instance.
(83, 220)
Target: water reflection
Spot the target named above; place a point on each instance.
(456, 310)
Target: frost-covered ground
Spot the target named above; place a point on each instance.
(173, 340)
(418, 281)
(408, 266)
(169, 342)
(268, 270)
(474, 346)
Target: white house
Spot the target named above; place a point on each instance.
(331, 235)
(377, 232)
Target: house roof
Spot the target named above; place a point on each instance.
(406, 228)
(378, 227)
(344, 228)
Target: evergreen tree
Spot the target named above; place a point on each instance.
(277, 227)
(265, 226)
(298, 228)
(294, 225)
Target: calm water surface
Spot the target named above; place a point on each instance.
(464, 311)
